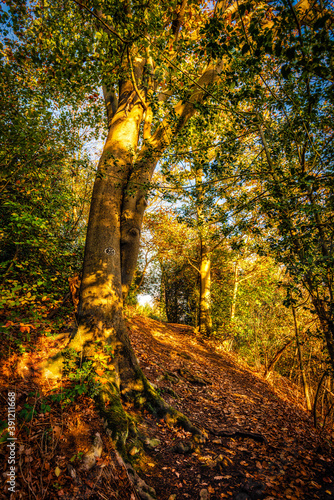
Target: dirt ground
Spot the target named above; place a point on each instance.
(260, 444)
(286, 458)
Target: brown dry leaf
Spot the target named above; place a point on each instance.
(57, 471)
(300, 482)
(89, 483)
(101, 462)
(57, 431)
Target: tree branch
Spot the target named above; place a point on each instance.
(134, 79)
(108, 28)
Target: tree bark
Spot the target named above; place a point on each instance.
(276, 358)
(205, 319)
(315, 418)
(306, 386)
(112, 245)
(235, 290)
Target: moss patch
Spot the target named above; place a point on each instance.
(115, 417)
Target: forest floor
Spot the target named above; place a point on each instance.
(260, 443)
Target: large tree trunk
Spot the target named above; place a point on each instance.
(111, 252)
(100, 313)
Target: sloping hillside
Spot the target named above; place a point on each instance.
(259, 444)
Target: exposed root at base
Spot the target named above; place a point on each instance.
(158, 407)
(121, 427)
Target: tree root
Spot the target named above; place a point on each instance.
(145, 491)
(123, 382)
(121, 427)
(170, 391)
(117, 423)
(243, 434)
(193, 379)
(159, 407)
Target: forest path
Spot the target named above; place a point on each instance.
(261, 444)
(291, 461)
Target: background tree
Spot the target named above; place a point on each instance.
(200, 191)
(174, 280)
(285, 76)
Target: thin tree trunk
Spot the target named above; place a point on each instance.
(205, 320)
(100, 312)
(235, 290)
(315, 417)
(301, 364)
(324, 314)
(276, 358)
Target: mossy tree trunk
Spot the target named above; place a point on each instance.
(113, 235)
